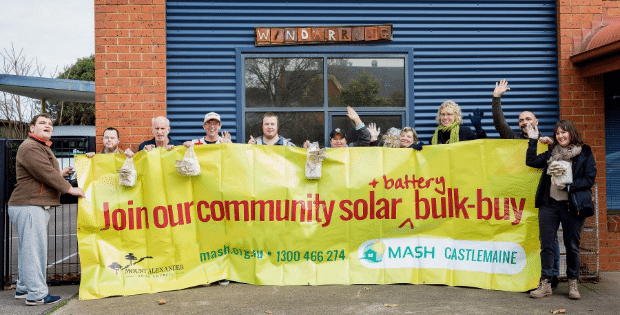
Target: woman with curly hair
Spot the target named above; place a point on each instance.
(450, 119)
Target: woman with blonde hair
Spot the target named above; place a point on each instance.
(450, 119)
(409, 139)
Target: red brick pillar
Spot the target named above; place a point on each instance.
(582, 100)
(130, 63)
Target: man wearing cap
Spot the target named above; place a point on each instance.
(270, 132)
(160, 129)
(337, 138)
(212, 125)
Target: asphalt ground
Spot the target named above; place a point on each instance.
(601, 297)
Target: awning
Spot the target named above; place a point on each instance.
(48, 88)
(599, 52)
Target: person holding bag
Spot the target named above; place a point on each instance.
(562, 200)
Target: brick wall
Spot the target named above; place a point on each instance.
(130, 63)
(582, 101)
(130, 54)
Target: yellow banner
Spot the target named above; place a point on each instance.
(460, 214)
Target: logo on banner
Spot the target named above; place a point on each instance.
(132, 269)
(117, 267)
(373, 252)
(482, 256)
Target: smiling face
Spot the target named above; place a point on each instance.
(42, 128)
(110, 140)
(563, 137)
(160, 130)
(212, 127)
(338, 141)
(406, 139)
(447, 116)
(525, 118)
(270, 127)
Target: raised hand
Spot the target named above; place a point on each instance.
(252, 140)
(226, 137)
(532, 131)
(353, 116)
(500, 88)
(476, 119)
(374, 132)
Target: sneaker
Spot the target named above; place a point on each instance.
(49, 299)
(573, 289)
(544, 289)
(224, 282)
(20, 295)
(554, 282)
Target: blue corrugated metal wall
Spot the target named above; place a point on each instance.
(461, 48)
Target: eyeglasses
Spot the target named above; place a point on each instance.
(447, 115)
(212, 123)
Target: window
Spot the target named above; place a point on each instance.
(612, 142)
(310, 93)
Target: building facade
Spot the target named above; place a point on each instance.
(183, 59)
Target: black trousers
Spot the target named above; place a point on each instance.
(549, 218)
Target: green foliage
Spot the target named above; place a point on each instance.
(362, 92)
(83, 70)
(69, 113)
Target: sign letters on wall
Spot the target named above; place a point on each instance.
(276, 36)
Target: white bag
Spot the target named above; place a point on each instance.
(314, 161)
(561, 172)
(391, 139)
(189, 165)
(127, 173)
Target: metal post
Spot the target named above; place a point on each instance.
(3, 214)
(43, 104)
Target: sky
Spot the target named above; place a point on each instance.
(55, 32)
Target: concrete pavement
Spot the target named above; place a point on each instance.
(237, 298)
(9, 305)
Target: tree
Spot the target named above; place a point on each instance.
(70, 113)
(131, 258)
(362, 92)
(16, 110)
(279, 82)
(115, 266)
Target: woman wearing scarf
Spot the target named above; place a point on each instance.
(552, 200)
(450, 118)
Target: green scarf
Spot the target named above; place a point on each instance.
(454, 132)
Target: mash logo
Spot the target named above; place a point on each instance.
(373, 251)
(413, 252)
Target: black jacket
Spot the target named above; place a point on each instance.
(584, 172)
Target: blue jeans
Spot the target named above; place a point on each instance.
(549, 218)
(31, 225)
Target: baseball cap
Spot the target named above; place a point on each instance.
(212, 115)
(337, 131)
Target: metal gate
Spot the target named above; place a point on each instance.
(63, 265)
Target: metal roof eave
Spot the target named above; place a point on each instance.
(48, 88)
